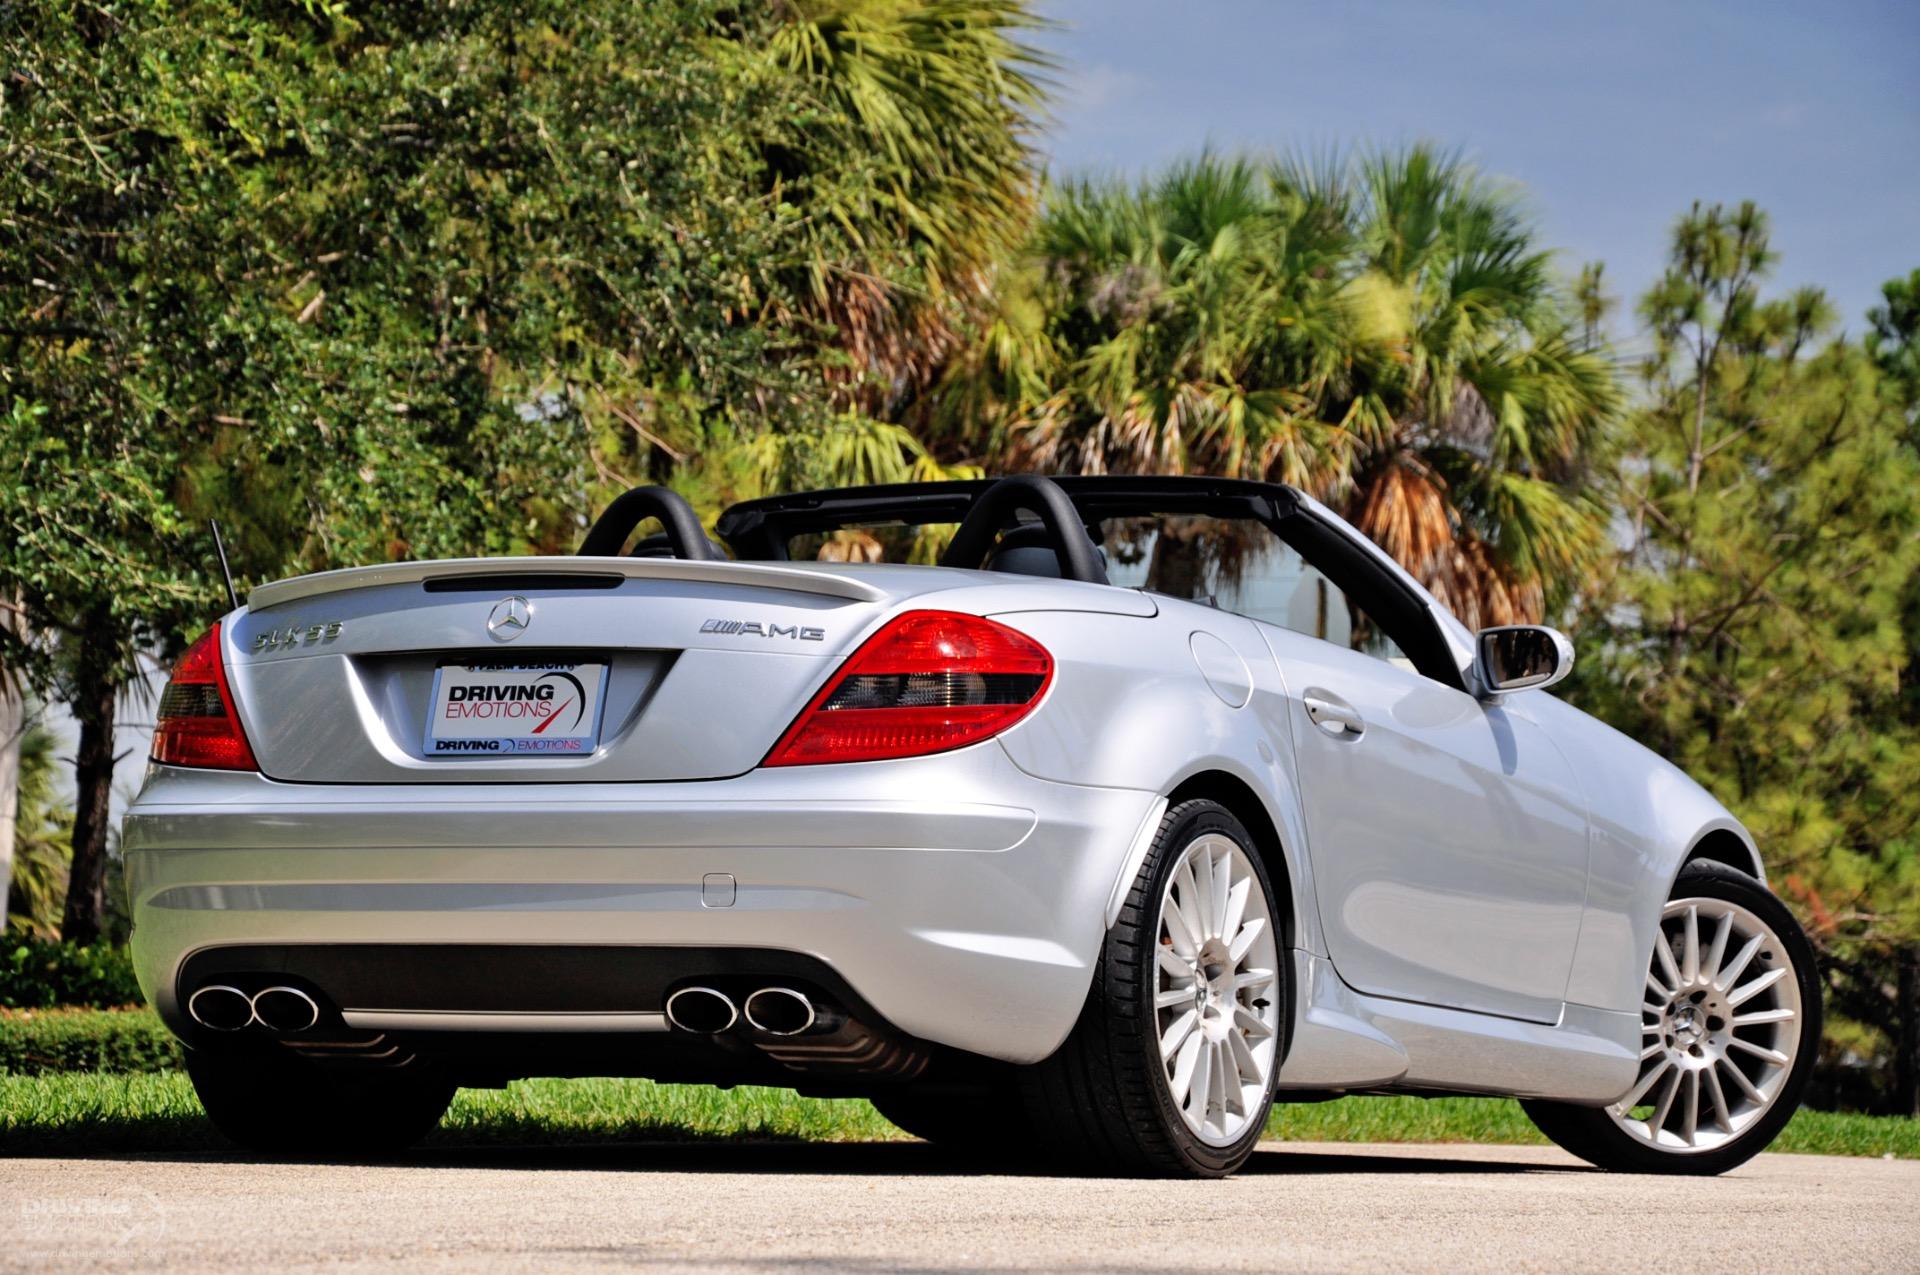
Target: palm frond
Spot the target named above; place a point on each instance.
(1382, 329)
(42, 843)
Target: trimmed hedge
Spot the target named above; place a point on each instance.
(42, 1041)
(39, 975)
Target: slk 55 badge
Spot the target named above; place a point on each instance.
(274, 641)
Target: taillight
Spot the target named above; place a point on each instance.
(198, 726)
(928, 682)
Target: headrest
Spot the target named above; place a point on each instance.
(1027, 550)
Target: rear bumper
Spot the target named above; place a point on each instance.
(959, 897)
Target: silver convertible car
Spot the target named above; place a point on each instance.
(1082, 817)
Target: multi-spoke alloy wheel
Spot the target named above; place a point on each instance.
(1170, 1070)
(1216, 1016)
(1729, 1016)
(1720, 1025)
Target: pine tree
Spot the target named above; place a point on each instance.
(1753, 632)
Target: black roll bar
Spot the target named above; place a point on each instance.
(995, 509)
(682, 526)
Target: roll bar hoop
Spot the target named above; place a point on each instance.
(995, 510)
(682, 526)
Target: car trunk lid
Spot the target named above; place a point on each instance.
(655, 669)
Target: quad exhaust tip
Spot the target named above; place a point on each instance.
(777, 1011)
(701, 1010)
(285, 1009)
(221, 1008)
(780, 1011)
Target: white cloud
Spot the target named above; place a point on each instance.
(1099, 86)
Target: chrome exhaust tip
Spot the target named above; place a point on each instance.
(285, 1009)
(780, 1011)
(220, 1008)
(701, 1010)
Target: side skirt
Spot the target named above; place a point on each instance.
(1346, 1040)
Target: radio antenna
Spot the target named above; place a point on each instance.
(226, 572)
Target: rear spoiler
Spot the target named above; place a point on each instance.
(791, 578)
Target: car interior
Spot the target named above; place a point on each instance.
(1253, 548)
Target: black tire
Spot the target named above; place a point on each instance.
(274, 1102)
(964, 1124)
(1102, 1102)
(1590, 1132)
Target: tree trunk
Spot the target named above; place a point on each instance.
(93, 707)
(1906, 1059)
(1178, 567)
(13, 725)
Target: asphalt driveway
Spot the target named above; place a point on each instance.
(903, 1207)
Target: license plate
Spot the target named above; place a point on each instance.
(520, 710)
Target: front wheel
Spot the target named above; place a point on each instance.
(1170, 1070)
(1729, 1029)
(271, 1101)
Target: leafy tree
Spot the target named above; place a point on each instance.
(931, 104)
(1752, 632)
(1382, 330)
(1593, 302)
(1894, 340)
(97, 553)
(381, 280)
(310, 268)
(1894, 343)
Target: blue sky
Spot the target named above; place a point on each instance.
(1614, 116)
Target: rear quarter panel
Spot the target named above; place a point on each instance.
(1131, 707)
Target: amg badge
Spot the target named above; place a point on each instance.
(753, 628)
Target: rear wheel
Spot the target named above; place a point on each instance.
(272, 1101)
(1730, 1025)
(1170, 1070)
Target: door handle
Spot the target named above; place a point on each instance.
(1332, 714)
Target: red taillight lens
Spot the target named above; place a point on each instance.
(198, 726)
(928, 682)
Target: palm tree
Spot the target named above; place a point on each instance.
(37, 877)
(916, 176)
(1381, 330)
(1495, 400)
(902, 166)
(1193, 324)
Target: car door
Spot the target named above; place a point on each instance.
(1447, 835)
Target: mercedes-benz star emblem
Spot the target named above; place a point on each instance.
(509, 618)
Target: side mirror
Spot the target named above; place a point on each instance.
(1518, 657)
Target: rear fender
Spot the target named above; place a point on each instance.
(1131, 707)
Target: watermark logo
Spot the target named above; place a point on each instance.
(110, 1219)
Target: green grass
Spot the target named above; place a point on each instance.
(1404, 1120)
(86, 1113)
(572, 1111)
(1498, 1120)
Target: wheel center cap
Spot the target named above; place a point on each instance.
(1686, 1022)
